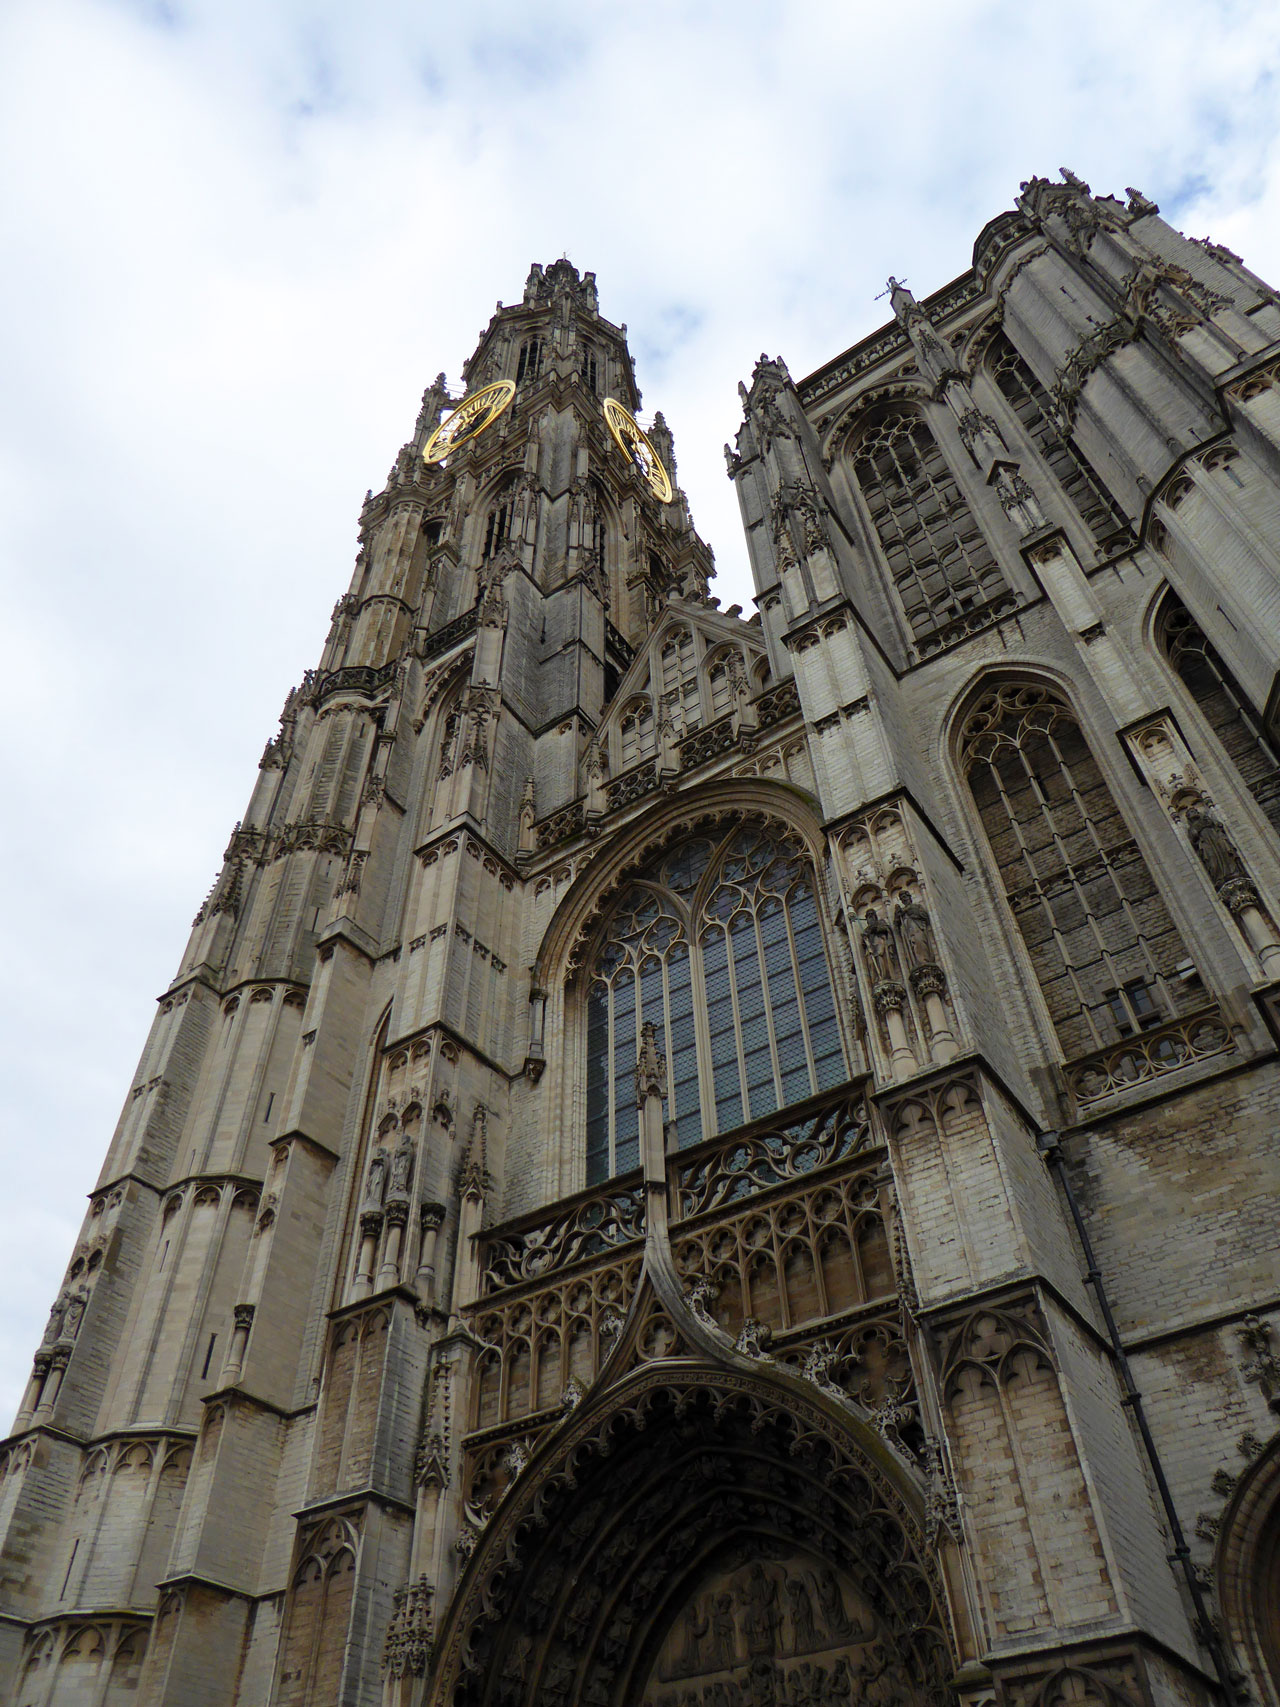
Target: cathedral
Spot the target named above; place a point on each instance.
(703, 1159)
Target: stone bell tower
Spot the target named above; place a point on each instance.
(228, 1398)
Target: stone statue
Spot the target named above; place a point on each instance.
(762, 1613)
(877, 943)
(75, 1312)
(1213, 847)
(695, 1628)
(831, 1600)
(402, 1166)
(800, 1606)
(723, 1630)
(375, 1182)
(53, 1327)
(914, 932)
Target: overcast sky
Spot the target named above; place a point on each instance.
(240, 237)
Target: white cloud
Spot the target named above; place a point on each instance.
(241, 238)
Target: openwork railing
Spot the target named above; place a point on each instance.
(570, 1233)
(728, 1169)
(441, 639)
(561, 825)
(1164, 1049)
(632, 785)
(777, 703)
(981, 616)
(708, 743)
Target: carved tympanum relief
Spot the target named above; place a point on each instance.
(771, 1624)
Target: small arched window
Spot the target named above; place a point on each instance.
(720, 944)
(636, 733)
(720, 679)
(497, 526)
(1030, 403)
(530, 362)
(941, 565)
(1214, 690)
(680, 679)
(1101, 942)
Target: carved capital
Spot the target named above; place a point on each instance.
(928, 981)
(889, 997)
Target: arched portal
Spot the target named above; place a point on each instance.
(1248, 1571)
(705, 1535)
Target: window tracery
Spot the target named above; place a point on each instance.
(530, 361)
(720, 943)
(1030, 403)
(1102, 944)
(497, 526)
(941, 565)
(1214, 689)
(636, 733)
(680, 679)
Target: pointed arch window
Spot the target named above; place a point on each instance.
(497, 526)
(1103, 946)
(636, 734)
(1031, 404)
(529, 364)
(720, 944)
(941, 565)
(680, 679)
(720, 680)
(1214, 689)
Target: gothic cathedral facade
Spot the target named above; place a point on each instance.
(711, 1161)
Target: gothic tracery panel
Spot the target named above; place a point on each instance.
(720, 943)
(1219, 697)
(941, 565)
(1103, 946)
(1030, 402)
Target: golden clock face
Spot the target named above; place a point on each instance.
(638, 451)
(472, 416)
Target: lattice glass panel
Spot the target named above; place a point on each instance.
(1214, 690)
(720, 945)
(1100, 938)
(941, 565)
(1030, 402)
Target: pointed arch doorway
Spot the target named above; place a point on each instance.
(701, 1535)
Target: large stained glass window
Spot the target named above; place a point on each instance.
(943, 569)
(1218, 695)
(719, 942)
(1104, 948)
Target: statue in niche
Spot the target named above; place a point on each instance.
(762, 1613)
(695, 1628)
(75, 1312)
(53, 1327)
(877, 943)
(831, 1601)
(724, 1629)
(840, 1689)
(762, 1684)
(1213, 847)
(800, 1606)
(915, 932)
(402, 1167)
(375, 1180)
